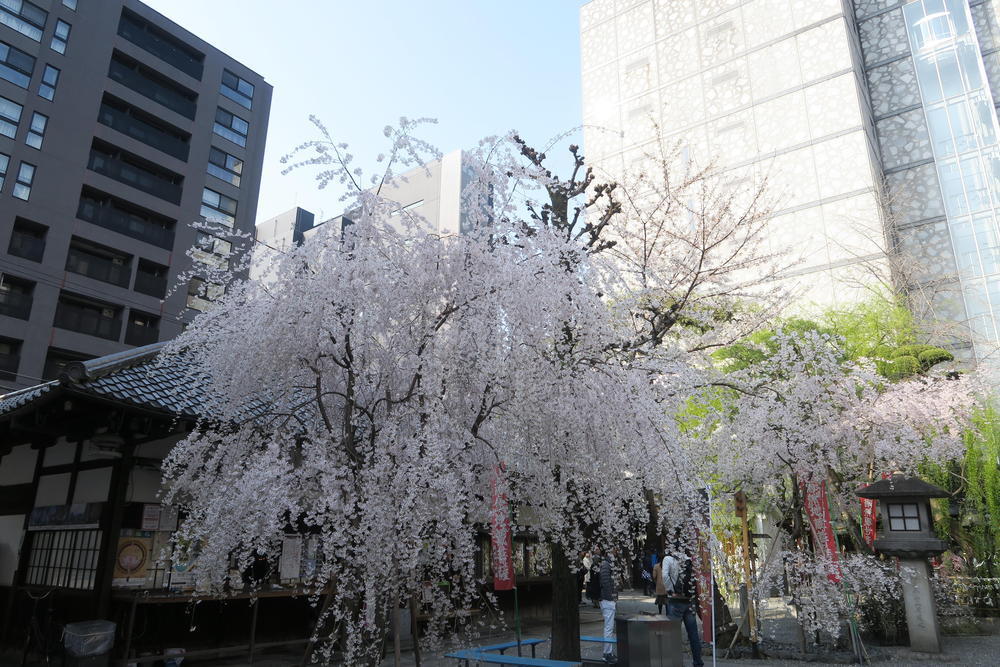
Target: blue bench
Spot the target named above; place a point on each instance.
(475, 656)
(503, 647)
(600, 640)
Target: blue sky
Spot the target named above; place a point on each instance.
(480, 67)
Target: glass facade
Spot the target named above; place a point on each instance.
(963, 129)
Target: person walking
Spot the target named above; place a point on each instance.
(609, 603)
(647, 573)
(594, 579)
(682, 599)
(659, 588)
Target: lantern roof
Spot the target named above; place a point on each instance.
(901, 486)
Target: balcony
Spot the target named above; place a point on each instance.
(137, 177)
(87, 320)
(140, 130)
(26, 246)
(154, 90)
(94, 266)
(15, 304)
(150, 284)
(141, 334)
(107, 215)
(146, 37)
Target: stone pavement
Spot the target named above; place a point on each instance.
(978, 651)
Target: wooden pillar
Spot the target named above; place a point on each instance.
(111, 528)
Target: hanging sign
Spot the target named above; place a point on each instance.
(818, 515)
(500, 535)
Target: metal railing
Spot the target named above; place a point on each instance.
(98, 268)
(85, 320)
(116, 220)
(143, 131)
(137, 177)
(160, 48)
(154, 90)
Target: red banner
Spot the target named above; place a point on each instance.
(500, 535)
(869, 507)
(818, 514)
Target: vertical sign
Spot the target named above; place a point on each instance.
(818, 514)
(868, 520)
(500, 534)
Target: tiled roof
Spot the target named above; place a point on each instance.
(131, 377)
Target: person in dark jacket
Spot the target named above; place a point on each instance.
(609, 602)
(678, 574)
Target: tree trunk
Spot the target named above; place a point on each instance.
(565, 607)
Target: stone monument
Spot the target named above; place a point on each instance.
(907, 532)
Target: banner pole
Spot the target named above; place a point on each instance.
(517, 622)
(711, 577)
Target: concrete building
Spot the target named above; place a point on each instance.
(118, 128)
(431, 195)
(873, 120)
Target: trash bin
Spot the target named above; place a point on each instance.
(648, 641)
(89, 643)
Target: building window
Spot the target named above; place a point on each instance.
(26, 18)
(237, 89)
(224, 166)
(4, 163)
(50, 79)
(904, 516)
(64, 558)
(27, 240)
(202, 294)
(15, 65)
(37, 131)
(212, 250)
(60, 37)
(10, 116)
(70, 3)
(22, 186)
(229, 126)
(218, 207)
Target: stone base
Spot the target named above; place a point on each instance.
(921, 613)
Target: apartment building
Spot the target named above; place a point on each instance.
(430, 195)
(118, 129)
(874, 122)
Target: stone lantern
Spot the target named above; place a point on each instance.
(908, 532)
